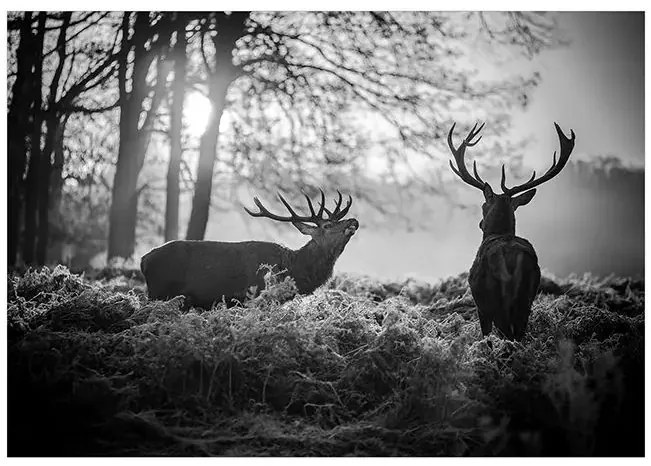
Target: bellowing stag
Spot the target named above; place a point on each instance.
(209, 271)
(504, 277)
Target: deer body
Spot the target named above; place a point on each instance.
(503, 280)
(505, 275)
(209, 271)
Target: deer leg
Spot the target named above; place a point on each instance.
(486, 323)
(522, 310)
(523, 304)
(484, 311)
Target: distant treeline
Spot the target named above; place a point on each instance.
(591, 219)
(600, 223)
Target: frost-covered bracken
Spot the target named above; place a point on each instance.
(359, 367)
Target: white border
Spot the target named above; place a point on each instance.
(12, 5)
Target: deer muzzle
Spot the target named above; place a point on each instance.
(352, 228)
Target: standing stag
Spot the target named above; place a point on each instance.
(209, 271)
(504, 277)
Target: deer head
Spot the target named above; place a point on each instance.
(328, 230)
(498, 210)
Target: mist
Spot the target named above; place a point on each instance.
(589, 219)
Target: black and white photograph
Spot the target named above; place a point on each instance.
(383, 232)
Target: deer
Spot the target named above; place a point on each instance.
(505, 275)
(206, 272)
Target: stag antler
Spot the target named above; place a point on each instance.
(315, 217)
(567, 144)
(337, 214)
(459, 153)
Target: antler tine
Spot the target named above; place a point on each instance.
(338, 205)
(289, 207)
(474, 133)
(250, 212)
(567, 145)
(503, 183)
(345, 210)
(450, 144)
(263, 212)
(460, 170)
(309, 204)
(327, 211)
(322, 208)
(474, 169)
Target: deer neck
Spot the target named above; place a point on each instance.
(312, 265)
(499, 232)
(500, 222)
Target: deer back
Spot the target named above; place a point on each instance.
(504, 280)
(208, 271)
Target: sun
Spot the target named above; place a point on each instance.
(196, 113)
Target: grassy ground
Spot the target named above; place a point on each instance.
(357, 368)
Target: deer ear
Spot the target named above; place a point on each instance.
(305, 228)
(522, 199)
(488, 192)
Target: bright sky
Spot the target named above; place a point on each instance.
(595, 86)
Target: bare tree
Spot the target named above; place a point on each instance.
(179, 54)
(148, 40)
(300, 99)
(300, 85)
(34, 166)
(53, 135)
(18, 120)
(59, 84)
(222, 30)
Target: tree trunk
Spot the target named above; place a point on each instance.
(17, 132)
(133, 139)
(52, 125)
(118, 240)
(56, 177)
(33, 174)
(45, 172)
(122, 213)
(176, 126)
(205, 166)
(230, 28)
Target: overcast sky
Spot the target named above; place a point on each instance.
(595, 86)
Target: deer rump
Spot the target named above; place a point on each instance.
(504, 279)
(209, 271)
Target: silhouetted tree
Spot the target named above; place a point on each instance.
(58, 86)
(300, 100)
(300, 83)
(147, 40)
(179, 55)
(53, 136)
(222, 30)
(18, 121)
(34, 166)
